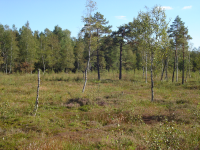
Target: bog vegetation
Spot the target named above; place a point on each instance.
(110, 114)
(142, 92)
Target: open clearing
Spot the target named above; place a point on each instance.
(110, 114)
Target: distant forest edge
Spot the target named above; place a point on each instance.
(133, 46)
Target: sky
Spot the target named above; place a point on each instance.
(67, 14)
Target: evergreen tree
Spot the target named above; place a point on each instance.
(111, 52)
(183, 39)
(101, 28)
(119, 37)
(174, 34)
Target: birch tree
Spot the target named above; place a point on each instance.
(78, 51)
(153, 21)
(27, 47)
(5, 46)
(43, 50)
(14, 49)
(53, 49)
(90, 7)
(66, 59)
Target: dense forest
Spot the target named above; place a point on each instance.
(149, 41)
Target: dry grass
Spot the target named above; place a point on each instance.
(111, 114)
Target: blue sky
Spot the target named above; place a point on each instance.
(67, 14)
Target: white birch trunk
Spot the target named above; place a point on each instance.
(37, 102)
(189, 65)
(88, 63)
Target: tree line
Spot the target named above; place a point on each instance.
(149, 42)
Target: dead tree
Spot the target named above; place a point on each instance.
(36, 102)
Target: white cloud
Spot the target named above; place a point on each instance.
(166, 7)
(121, 17)
(187, 7)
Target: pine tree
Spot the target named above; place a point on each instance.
(101, 28)
(183, 39)
(174, 34)
(119, 37)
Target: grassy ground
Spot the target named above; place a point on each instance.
(111, 114)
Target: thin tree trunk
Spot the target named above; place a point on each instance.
(26, 55)
(43, 64)
(37, 101)
(4, 58)
(43, 58)
(146, 69)
(189, 65)
(163, 69)
(120, 61)
(162, 66)
(166, 76)
(85, 80)
(183, 65)
(52, 56)
(152, 83)
(78, 64)
(143, 71)
(98, 54)
(31, 66)
(6, 68)
(176, 68)
(6, 65)
(143, 58)
(186, 73)
(87, 65)
(44, 68)
(11, 60)
(176, 60)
